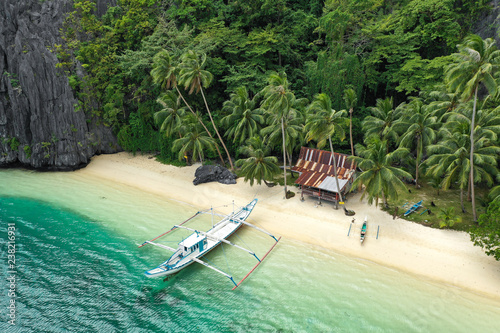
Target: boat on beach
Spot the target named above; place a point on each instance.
(199, 243)
(363, 230)
(413, 208)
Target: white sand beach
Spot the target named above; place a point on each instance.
(441, 255)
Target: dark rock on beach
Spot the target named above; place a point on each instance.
(39, 125)
(212, 173)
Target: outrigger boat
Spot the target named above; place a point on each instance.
(363, 230)
(413, 208)
(199, 243)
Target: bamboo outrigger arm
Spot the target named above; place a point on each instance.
(264, 257)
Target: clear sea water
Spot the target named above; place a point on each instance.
(78, 268)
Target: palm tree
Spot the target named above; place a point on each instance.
(291, 129)
(194, 140)
(475, 64)
(447, 217)
(494, 193)
(164, 73)
(419, 128)
(244, 120)
(379, 177)
(169, 118)
(194, 77)
(322, 124)
(450, 158)
(485, 138)
(381, 122)
(259, 166)
(441, 102)
(350, 99)
(278, 101)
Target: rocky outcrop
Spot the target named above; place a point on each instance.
(39, 125)
(489, 25)
(214, 173)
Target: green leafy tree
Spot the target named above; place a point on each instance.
(487, 233)
(475, 64)
(420, 129)
(380, 178)
(323, 123)
(193, 76)
(245, 119)
(259, 166)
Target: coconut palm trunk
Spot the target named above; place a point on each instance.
(419, 156)
(472, 125)
(335, 172)
(462, 199)
(201, 122)
(215, 128)
(350, 131)
(284, 153)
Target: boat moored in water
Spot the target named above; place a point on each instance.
(199, 243)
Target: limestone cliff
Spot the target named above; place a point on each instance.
(39, 126)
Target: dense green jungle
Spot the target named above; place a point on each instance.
(405, 87)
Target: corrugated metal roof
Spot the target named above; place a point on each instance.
(329, 184)
(316, 166)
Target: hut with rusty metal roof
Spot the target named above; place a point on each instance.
(317, 175)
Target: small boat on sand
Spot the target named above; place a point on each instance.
(363, 230)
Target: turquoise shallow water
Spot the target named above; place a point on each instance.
(78, 269)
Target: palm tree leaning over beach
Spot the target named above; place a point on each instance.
(322, 124)
(380, 178)
(277, 101)
(476, 63)
(259, 166)
(164, 73)
(194, 77)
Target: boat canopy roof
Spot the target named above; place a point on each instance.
(192, 240)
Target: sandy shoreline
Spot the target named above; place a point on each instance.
(442, 255)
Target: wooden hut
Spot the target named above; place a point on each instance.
(317, 175)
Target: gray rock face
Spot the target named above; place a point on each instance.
(39, 126)
(212, 173)
(489, 25)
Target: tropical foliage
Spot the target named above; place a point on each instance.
(259, 166)
(181, 77)
(379, 177)
(487, 234)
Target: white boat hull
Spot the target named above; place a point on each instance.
(223, 229)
